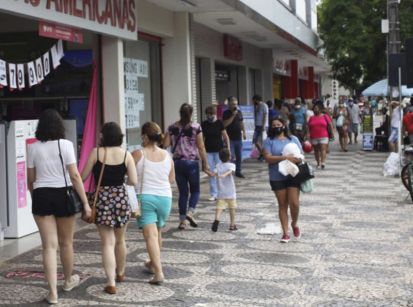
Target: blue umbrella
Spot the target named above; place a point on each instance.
(380, 88)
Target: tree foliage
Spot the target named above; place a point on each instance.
(353, 42)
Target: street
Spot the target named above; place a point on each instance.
(356, 249)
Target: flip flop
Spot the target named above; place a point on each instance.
(182, 225)
(191, 221)
(233, 227)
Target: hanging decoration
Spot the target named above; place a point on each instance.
(14, 75)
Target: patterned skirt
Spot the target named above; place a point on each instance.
(112, 207)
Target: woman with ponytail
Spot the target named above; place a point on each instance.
(156, 172)
(187, 146)
(285, 190)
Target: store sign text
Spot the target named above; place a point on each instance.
(113, 17)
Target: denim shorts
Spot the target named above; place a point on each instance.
(154, 210)
(394, 135)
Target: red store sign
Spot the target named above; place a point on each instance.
(53, 30)
(232, 48)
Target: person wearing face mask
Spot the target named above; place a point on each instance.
(234, 123)
(299, 120)
(342, 122)
(318, 134)
(261, 111)
(286, 191)
(215, 136)
(354, 116)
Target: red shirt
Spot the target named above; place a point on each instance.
(408, 122)
(318, 126)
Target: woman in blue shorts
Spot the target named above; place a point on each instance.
(156, 172)
(286, 191)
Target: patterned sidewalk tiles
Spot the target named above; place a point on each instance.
(356, 250)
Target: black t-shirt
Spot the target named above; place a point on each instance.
(234, 129)
(212, 132)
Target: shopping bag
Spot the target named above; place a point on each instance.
(133, 201)
(307, 186)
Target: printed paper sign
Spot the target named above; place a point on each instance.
(55, 57)
(20, 76)
(31, 71)
(39, 70)
(3, 73)
(46, 64)
(21, 185)
(12, 76)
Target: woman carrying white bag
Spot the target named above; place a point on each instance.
(156, 172)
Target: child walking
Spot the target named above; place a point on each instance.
(226, 190)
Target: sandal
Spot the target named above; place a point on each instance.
(191, 221)
(182, 225)
(233, 227)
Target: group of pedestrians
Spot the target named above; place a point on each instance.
(151, 170)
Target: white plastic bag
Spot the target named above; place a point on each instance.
(391, 167)
(286, 168)
(133, 201)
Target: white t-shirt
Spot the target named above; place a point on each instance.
(395, 118)
(155, 178)
(44, 156)
(226, 186)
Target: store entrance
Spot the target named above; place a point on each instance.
(226, 81)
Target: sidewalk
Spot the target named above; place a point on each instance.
(356, 250)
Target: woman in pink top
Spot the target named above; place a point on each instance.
(318, 134)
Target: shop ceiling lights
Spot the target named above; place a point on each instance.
(188, 2)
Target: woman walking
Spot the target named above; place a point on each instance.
(156, 173)
(112, 207)
(47, 178)
(318, 134)
(286, 191)
(215, 136)
(342, 124)
(187, 143)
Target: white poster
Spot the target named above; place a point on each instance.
(46, 64)
(133, 99)
(12, 76)
(3, 73)
(142, 68)
(39, 70)
(20, 76)
(60, 51)
(55, 57)
(31, 71)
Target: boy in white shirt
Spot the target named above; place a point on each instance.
(226, 190)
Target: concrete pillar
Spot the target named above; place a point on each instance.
(176, 61)
(207, 84)
(113, 82)
(309, 92)
(267, 75)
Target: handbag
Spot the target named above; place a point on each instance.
(329, 130)
(305, 172)
(307, 186)
(73, 203)
(93, 197)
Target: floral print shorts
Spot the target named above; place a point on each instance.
(112, 207)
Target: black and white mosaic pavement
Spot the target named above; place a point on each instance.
(356, 250)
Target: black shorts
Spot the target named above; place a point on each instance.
(50, 201)
(283, 184)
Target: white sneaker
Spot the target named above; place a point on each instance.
(74, 282)
(212, 198)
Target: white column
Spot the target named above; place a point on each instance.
(113, 82)
(176, 61)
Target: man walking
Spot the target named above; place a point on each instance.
(261, 115)
(354, 115)
(233, 122)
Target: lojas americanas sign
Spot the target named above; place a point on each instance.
(112, 17)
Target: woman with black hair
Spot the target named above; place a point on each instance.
(187, 145)
(286, 191)
(47, 177)
(112, 207)
(156, 172)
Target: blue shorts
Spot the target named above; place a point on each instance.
(394, 135)
(154, 210)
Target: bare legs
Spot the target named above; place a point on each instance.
(56, 232)
(288, 198)
(343, 138)
(113, 251)
(153, 239)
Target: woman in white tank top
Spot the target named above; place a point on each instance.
(156, 172)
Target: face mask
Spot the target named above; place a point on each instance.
(277, 130)
(297, 107)
(211, 118)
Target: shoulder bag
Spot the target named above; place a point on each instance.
(136, 212)
(305, 172)
(73, 202)
(93, 197)
(329, 130)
